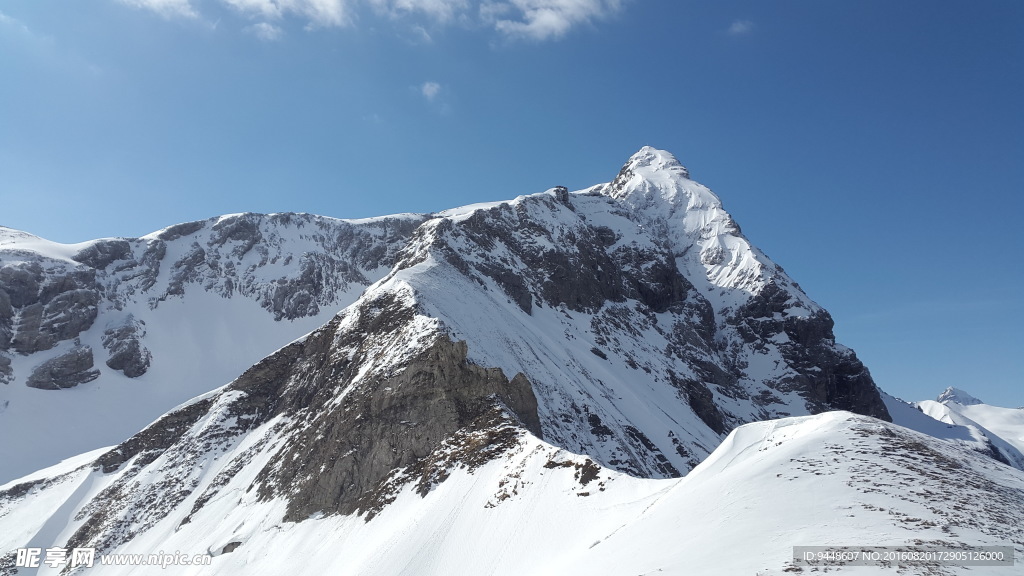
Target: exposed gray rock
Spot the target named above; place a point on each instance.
(6, 320)
(56, 316)
(335, 463)
(70, 313)
(6, 372)
(42, 306)
(407, 415)
(828, 377)
(582, 273)
(172, 233)
(65, 371)
(240, 244)
(29, 336)
(124, 343)
(405, 419)
(103, 253)
(189, 269)
(21, 283)
(243, 232)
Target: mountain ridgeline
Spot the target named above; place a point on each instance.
(630, 323)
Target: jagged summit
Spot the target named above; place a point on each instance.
(655, 159)
(653, 175)
(706, 242)
(957, 395)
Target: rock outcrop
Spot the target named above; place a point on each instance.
(124, 343)
(40, 307)
(293, 265)
(6, 373)
(65, 371)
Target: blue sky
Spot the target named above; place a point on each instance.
(874, 149)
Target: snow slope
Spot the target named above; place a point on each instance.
(833, 479)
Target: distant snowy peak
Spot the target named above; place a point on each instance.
(957, 395)
(985, 430)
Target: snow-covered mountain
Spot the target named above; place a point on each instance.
(99, 339)
(953, 395)
(646, 280)
(1006, 423)
(961, 418)
(530, 375)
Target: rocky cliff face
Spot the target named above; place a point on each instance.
(291, 264)
(149, 322)
(632, 324)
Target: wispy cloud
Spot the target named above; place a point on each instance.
(166, 8)
(536, 20)
(430, 90)
(17, 40)
(15, 25)
(437, 10)
(741, 27)
(547, 19)
(263, 8)
(420, 35)
(265, 31)
(320, 13)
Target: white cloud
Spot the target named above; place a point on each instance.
(18, 25)
(438, 10)
(491, 12)
(526, 19)
(549, 19)
(741, 27)
(265, 31)
(420, 35)
(320, 13)
(264, 8)
(166, 8)
(430, 90)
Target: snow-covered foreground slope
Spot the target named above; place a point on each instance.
(834, 479)
(99, 339)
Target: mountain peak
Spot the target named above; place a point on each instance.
(957, 395)
(654, 178)
(653, 158)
